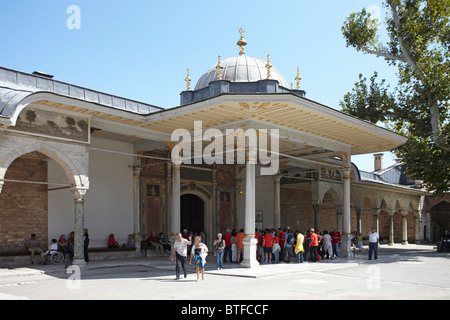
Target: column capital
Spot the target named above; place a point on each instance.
(358, 210)
(347, 172)
(79, 193)
(137, 171)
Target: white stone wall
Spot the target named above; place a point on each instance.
(109, 201)
(264, 200)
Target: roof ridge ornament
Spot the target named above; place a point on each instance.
(219, 69)
(268, 66)
(298, 78)
(188, 81)
(242, 43)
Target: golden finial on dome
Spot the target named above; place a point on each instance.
(242, 43)
(298, 78)
(219, 70)
(188, 81)
(268, 66)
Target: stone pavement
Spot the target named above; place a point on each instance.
(385, 254)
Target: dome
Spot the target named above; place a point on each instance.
(241, 69)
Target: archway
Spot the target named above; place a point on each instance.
(192, 213)
(440, 219)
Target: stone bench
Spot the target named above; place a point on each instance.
(22, 257)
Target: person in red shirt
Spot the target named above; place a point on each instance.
(267, 244)
(227, 251)
(282, 243)
(276, 248)
(315, 239)
(258, 238)
(335, 240)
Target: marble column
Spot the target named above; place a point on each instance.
(405, 229)
(358, 219)
(316, 208)
(277, 202)
(391, 228)
(136, 208)
(249, 241)
(376, 219)
(175, 223)
(346, 234)
(78, 258)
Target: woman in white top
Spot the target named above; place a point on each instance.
(198, 254)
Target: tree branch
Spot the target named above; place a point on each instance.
(405, 52)
(381, 54)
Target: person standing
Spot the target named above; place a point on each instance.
(219, 246)
(180, 250)
(359, 239)
(298, 249)
(240, 245)
(327, 246)
(373, 243)
(288, 243)
(276, 248)
(445, 240)
(282, 237)
(198, 254)
(227, 251)
(315, 239)
(267, 244)
(86, 241)
(233, 246)
(335, 240)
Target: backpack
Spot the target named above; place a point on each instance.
(291, 239)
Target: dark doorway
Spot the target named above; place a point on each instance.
(192, 213)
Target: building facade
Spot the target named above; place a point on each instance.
(75, 158)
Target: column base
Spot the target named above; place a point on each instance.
(345, 250)
(80, 262)
(249, 260)
(404, 242)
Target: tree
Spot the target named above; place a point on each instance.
(71, 123)
(31, 116)
(418, 107)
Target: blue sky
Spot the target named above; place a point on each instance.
(140, 49)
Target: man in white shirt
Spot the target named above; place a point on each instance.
(373, 243)
(180, 250)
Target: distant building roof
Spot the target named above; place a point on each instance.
(393, 175)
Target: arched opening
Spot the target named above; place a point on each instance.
(440, 220)
(192, 213)
(24, 202)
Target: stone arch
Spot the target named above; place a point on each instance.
(73, 158)
(333, 190)
(205, 196)
(439, 219)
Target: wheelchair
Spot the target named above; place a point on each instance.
(55, 257)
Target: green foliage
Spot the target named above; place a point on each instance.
(418, 107)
